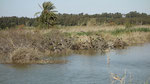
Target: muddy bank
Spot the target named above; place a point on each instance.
(24, 46)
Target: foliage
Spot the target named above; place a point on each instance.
(14, 21)
(129, 19)
(47, 17)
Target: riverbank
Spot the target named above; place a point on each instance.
(36, 45)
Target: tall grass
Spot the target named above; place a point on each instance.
(18, 43)
(83, 33)
(26, 46)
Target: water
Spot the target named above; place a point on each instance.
(84, 69)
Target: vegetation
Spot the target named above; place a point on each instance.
(27, 46)
(12, 22)
(32, 45)
(121, 31)
(22, 42)
(49, 19)
(97, 32)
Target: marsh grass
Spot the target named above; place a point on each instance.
(67, 34)
(84, 33)
(115, 78)
(34, 42)
(121, 31)
(131, 36)
(124, 78)
(26, 46)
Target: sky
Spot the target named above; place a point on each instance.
(27, 8)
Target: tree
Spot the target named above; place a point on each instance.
(48, 17)
(133, 14)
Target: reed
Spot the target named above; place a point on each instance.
(13, 42)
(115, 78)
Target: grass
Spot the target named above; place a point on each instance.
(131, 36)
(125, 78)
(121, 31)
(42, 42)
(96, 30)
(84, 33)
(26, 45)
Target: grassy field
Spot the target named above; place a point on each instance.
(134, 35)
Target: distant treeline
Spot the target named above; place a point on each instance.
(10, 22)
(133, 18)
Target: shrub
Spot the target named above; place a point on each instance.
(56, 41)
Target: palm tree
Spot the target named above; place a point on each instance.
(47, 16)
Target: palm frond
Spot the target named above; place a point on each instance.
(54, 11)
(40, 6)
(37, 13)
(48, 6)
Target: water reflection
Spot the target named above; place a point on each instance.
(19, 66)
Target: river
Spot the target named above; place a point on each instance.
(133, 63)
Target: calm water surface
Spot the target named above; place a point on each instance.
(84, 69)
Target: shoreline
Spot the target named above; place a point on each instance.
(32, 46)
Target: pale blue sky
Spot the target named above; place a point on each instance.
(29, 7)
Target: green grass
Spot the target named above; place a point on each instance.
(120, 31)
(67, 34)
(90, 33)
(84, 33)
(113, 32)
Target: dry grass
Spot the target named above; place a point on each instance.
(136, 35)
(89, 28)
(25, 55)
(18, 45)
(96, 28)
(29, 46)
(24, 45)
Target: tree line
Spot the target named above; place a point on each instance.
(11, 22)
(134, 18)
(81, 19)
